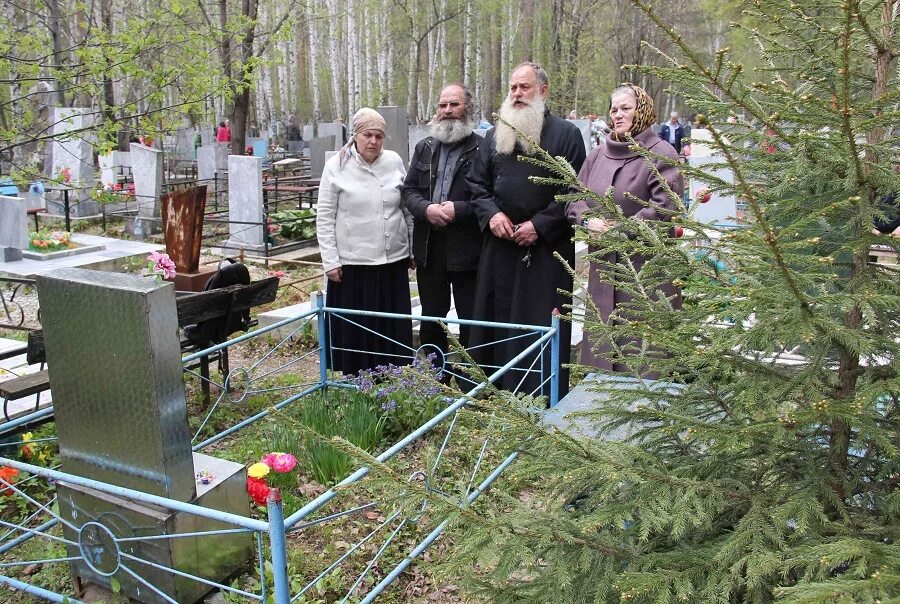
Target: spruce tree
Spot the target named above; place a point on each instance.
(764, 465)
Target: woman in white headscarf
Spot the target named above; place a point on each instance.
(364, 237)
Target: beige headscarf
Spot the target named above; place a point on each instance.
(364, 119)
(644, 114)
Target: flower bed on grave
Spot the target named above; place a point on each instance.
(47, 245)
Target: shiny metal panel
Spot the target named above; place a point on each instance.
(211, 557)
(115, 370)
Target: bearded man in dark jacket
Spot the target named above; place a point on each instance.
(446, 237)
(519, 279)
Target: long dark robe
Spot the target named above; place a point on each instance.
(508, 289)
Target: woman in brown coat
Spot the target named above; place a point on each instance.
(614, 165)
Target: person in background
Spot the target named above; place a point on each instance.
(615, 164)
(672, 132)
(364, 239)
(446, 237)
(223, 133)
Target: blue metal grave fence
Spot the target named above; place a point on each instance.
(116, 548)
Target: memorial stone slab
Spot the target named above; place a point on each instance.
(184, 143)
(309, 132)
(206, 162)
(13, 222)
(335, 130)
(417, 132)
(397, 136)
(245, 203)
(72, 150)
(584, 126)
(207, 135)
(222, 151)
(317, 148)
(147, 170)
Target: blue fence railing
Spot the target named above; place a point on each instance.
(115, 553)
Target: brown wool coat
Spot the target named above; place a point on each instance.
(614, 165)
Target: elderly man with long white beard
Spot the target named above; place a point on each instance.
(518, 276)
(446, 238)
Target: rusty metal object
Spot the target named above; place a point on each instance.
(182, 218)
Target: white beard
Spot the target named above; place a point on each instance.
(527, 120)
(451, 131)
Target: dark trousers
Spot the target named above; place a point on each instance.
(434, 293)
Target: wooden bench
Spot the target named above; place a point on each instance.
(217, 304)
(20, 387)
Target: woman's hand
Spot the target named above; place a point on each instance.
(412, 263)
(335, 274)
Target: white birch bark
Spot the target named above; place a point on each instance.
(314, 61)
(334, 57)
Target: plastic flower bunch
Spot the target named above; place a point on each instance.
(257, 485)
(7, 476)
(161, 266)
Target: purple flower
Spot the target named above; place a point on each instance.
(390, 405)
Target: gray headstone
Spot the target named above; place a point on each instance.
(245, 202)
(111, 164)
(721, 208)
(206, 162)
(222, 151)
(184, 143)
(107, 169)
(13, 222)
(308, 132)
(10, 254)
(584, 126)
(335, 130)
(317, 148)
(207, 135)
(72, 149)
(416, 133)
(397, 136)
(147, 169)
(568, 414)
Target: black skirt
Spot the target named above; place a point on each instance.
(358, 342)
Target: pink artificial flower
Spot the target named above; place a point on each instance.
(279, 274)
(162, 265)
(66, 174)
(269, 459)
(284, 462)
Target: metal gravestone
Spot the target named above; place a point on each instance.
(182, 218)
(396, 136)
(128, 427)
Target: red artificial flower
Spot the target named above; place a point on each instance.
(258, 490)
(7, 474)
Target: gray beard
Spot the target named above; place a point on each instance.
(452, 131)
(529, 121)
